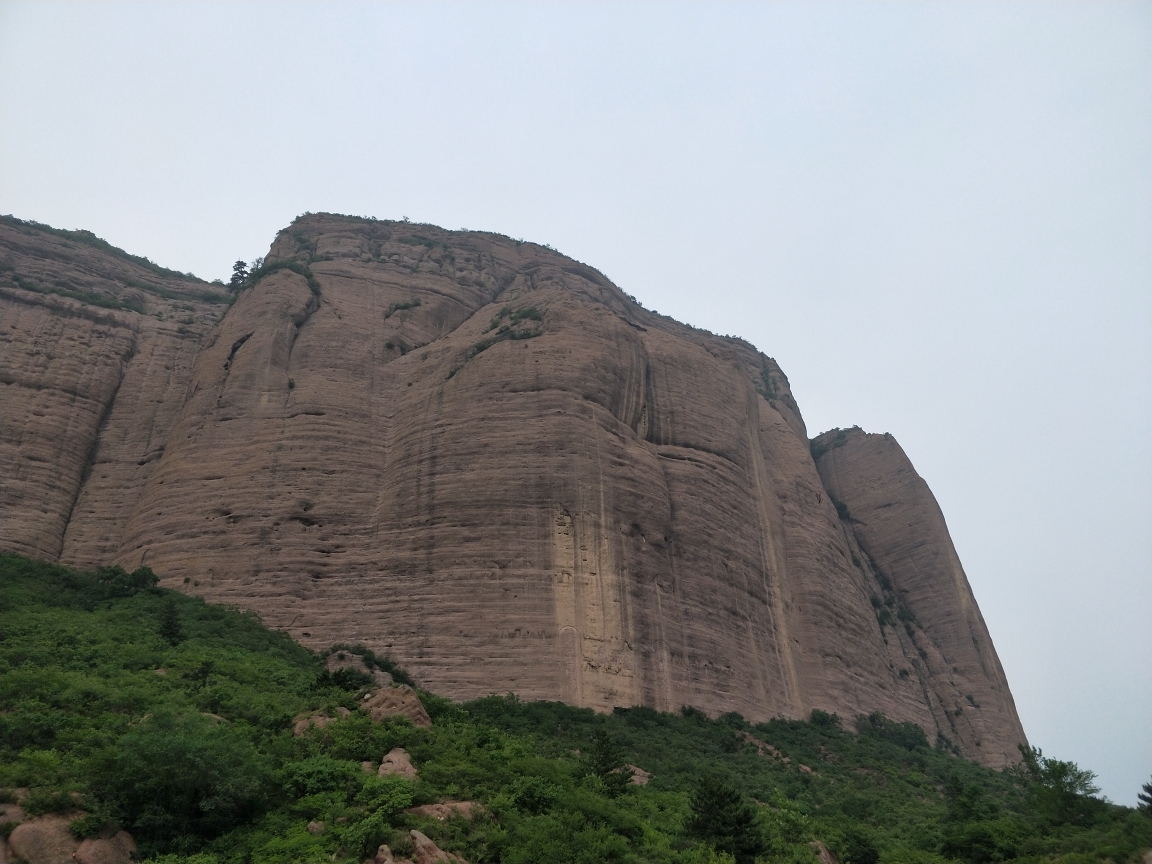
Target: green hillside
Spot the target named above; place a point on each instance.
(174, 718)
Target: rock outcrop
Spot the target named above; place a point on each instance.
(893, 518)
(397, 762)
(484, 459)
(399, 700)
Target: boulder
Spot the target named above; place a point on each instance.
(46, 840)
(639, 776)
(303, 722)
(315, 828)
(384, 856)
(396, 700)
(445, 810)
(397, 762)
(427, 852)
(117, 849)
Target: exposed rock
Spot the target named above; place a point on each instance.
(397, 762)
(484, 459)
(762, 747)
(12, 813)
(904, 543)
(639, 776)
(90, 392)
(427, 852)
(823, 853)
(396, 700)
(319, 719)
(45, 840)
(445, 810)
(384, 856)
(315, 828)
(117, 849)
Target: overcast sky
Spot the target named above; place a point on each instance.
(937, 217)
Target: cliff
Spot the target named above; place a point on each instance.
(483, 458)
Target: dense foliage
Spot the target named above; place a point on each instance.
(174, 719)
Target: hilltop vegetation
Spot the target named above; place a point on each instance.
(174, 718)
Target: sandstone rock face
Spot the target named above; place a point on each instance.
(484, 459)
(90, 392)
(893, 516)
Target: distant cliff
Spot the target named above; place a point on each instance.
(483, 458)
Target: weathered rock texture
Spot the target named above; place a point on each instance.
(483, 458)
(893, 517)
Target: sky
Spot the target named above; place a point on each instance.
(936, 216)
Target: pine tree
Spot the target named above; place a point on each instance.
(606, 761)
(1145, 799)
(170, 628)
(723, 819)
(239, 276)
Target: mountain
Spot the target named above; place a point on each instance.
(482, 458)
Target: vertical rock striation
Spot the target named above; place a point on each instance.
(894, 517)
(481, 457)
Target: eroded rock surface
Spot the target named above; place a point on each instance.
(397, 762)
(484, 459)
(398, 700)
(891, 513)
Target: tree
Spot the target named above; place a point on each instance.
(1061, 792)
(239, 276)
(1145, 799)
(606, 761)
(171, 780)
(170, 624)
(121, 583)
(724, 820)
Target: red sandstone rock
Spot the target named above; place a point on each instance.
(427, 852)
(897, 524)
(397, 762)
(445, 810)
(397, 700)
(610, 509)
(45, 840)
(117, 849)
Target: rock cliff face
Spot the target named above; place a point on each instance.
(483, 458)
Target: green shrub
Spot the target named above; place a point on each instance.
(179, 776)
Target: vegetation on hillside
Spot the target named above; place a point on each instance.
(174, 718)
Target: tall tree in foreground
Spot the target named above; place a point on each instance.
(724, 820)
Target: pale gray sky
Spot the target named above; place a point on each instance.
(936, 216)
